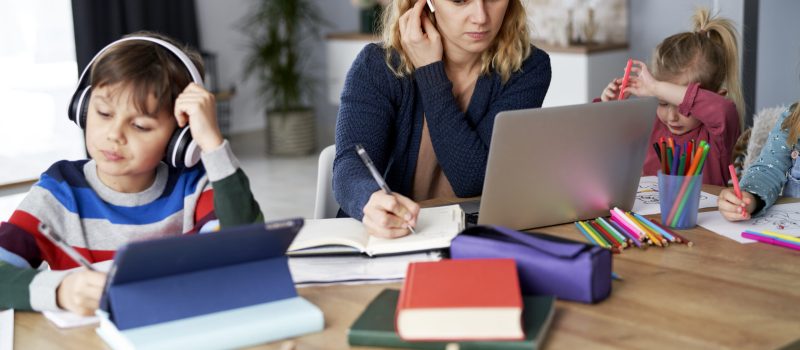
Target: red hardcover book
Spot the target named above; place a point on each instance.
(463, 299)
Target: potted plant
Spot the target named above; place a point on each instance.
(280, 32)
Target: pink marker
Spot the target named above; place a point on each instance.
(625, 79)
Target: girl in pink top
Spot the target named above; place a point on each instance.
(696, 79)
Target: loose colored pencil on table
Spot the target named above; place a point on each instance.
(773, 238)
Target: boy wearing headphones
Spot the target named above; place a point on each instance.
(135, 100)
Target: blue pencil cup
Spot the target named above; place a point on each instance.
(679, 197)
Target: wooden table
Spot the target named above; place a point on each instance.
(716, 294)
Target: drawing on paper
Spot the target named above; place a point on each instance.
(779, 219)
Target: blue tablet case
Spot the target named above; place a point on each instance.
(169, 279)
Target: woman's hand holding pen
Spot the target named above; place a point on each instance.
(389, 215)
(733, 208)
(419, 37)
(80, 291)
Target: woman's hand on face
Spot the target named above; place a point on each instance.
(389, 215)
(419, 37)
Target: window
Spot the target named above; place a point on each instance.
(39, 74)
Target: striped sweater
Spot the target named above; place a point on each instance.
(96, 220)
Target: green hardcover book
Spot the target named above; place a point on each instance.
(375, 326)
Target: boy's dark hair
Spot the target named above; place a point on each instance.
(147, 68)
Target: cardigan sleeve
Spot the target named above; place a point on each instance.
(461, 141)
(366, 115)
(767, 175)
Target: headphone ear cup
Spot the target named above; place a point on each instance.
(182, 151)
(79, 106)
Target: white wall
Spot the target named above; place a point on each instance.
(220, 22)
(650, 22)
(778, 80)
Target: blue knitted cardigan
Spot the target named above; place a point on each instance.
(384, 113)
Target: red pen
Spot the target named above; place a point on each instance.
(735, 181)
(625, 79)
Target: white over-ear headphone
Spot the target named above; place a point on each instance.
(182, 151)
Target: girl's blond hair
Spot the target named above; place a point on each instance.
(709, 55)
(792, 124)
(511, 46)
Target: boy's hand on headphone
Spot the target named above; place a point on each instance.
(422, 47)
(197, 107)
(80, 291)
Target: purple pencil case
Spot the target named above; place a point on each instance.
(547, 265)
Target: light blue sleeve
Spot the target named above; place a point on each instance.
(767, 175)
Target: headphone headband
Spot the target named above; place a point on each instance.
(196, 77)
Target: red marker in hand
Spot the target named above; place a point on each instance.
(736, 187)
(625, 79)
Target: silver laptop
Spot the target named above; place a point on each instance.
(549, 166)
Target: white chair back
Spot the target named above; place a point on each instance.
(325, 205)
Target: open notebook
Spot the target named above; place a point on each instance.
(436, 227)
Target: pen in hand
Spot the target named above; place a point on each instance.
(375, 174)
(66, 248)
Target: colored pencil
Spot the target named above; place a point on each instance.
(685, 198)
(663, 156)
(588, 229)
(657, 149)
(624, 221)
(586, 234)
(769, 240)
(655, 228)
(678, 236)
(735, 180)
(607, 236)
(684, 186)
(777, 235)
(654, 237)
(626, 233)
(682, 165)
(611, 231)
(676, 159)
(625, 79)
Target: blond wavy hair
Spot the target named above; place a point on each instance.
(511, 46)
(709, 55)
(792, 124)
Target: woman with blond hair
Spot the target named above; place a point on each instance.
(422, 103)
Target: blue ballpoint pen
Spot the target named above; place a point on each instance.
(375, 174)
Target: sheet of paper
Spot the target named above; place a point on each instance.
(647, 197)
(781, 218)
(7, 329)
(354, 268)
(66, 319)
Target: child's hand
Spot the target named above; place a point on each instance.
(80, 291)
(641, 82)
(733, 208)
(197, 107)
(419, 37)
(611, 91)
(389, 215)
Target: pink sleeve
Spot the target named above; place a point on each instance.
(717, 113)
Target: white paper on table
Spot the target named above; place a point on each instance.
(7, 329)
(66, 319)
(355, 268)
(647, 198)
(781, 218)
